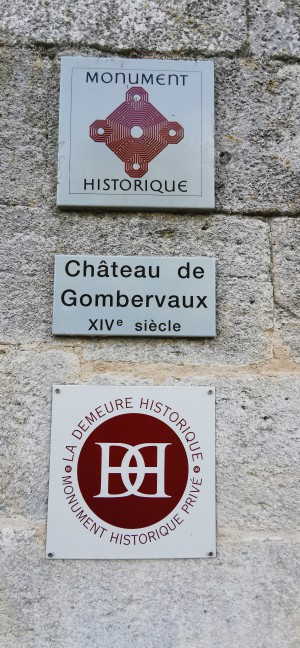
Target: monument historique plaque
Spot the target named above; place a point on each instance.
(136, 134)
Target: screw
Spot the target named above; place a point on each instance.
(210, 391)
(57, 391)
(210, 553)
(51, 554)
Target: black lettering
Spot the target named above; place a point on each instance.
(93, 324)
(85, 300)
(170, 77)
(182, 182)
(86, 183)
(136, 77)
(159, 76)
(198, 272)
(125, 271)
(90, 78)
(104, 299)
(184, 271)
(201, 301)
(124, 299)
(144, 79)
(87, 266)
(185, 304)
(137, 301)
(160, 301)
(120, 74)
(122, 185)
(107, 74)
(72, 299)
(152, 275)
(68, 266)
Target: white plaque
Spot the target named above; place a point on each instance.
(136, 134)
(134, 295)
(132, 472)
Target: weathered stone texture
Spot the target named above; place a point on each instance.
(26, 386)
(244, 291)
(286, 262)
(23, 128)
(257, 474)
(164, 27)
(275, 27)
(27, 247)
(245, 597)
(257, 138)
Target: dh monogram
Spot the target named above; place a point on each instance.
(140, 469)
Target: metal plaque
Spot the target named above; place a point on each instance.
(136, 134)
(134, 295)
(132, 472)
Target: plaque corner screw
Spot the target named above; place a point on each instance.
(210, 391)
(57, 391)
(50, 554)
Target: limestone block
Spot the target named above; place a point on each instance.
(257, 464)
(257, 140)
(288, 331)
(247, 596)
(179, 25)
(258, 453)
(23, 128)
(27, 249)
(286, 261)
(257, 445)
(274, 27)
(244, 290)
(285, 236)
(26, 387)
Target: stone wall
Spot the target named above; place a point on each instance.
(247, 596)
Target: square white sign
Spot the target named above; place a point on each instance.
(136, 134)
(132, 472)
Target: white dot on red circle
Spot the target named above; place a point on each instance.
(136, 132)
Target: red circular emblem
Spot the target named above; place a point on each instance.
(132, 471)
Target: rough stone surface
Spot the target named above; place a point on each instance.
(233, 600)
(257, 476)
(257, 108)
(244, 292)
(27, 246)
(257, 140)
(26, 386)
(275, 27)
(247, 596)
(23, 128)
(286, 261)
(174, 26)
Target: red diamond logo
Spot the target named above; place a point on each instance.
(136, 132)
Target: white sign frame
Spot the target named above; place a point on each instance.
(194, 532)
(134, 296)
(91, 174)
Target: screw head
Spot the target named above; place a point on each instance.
(57, 391)
(50, 554)
(210, 391)
(210, 553)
